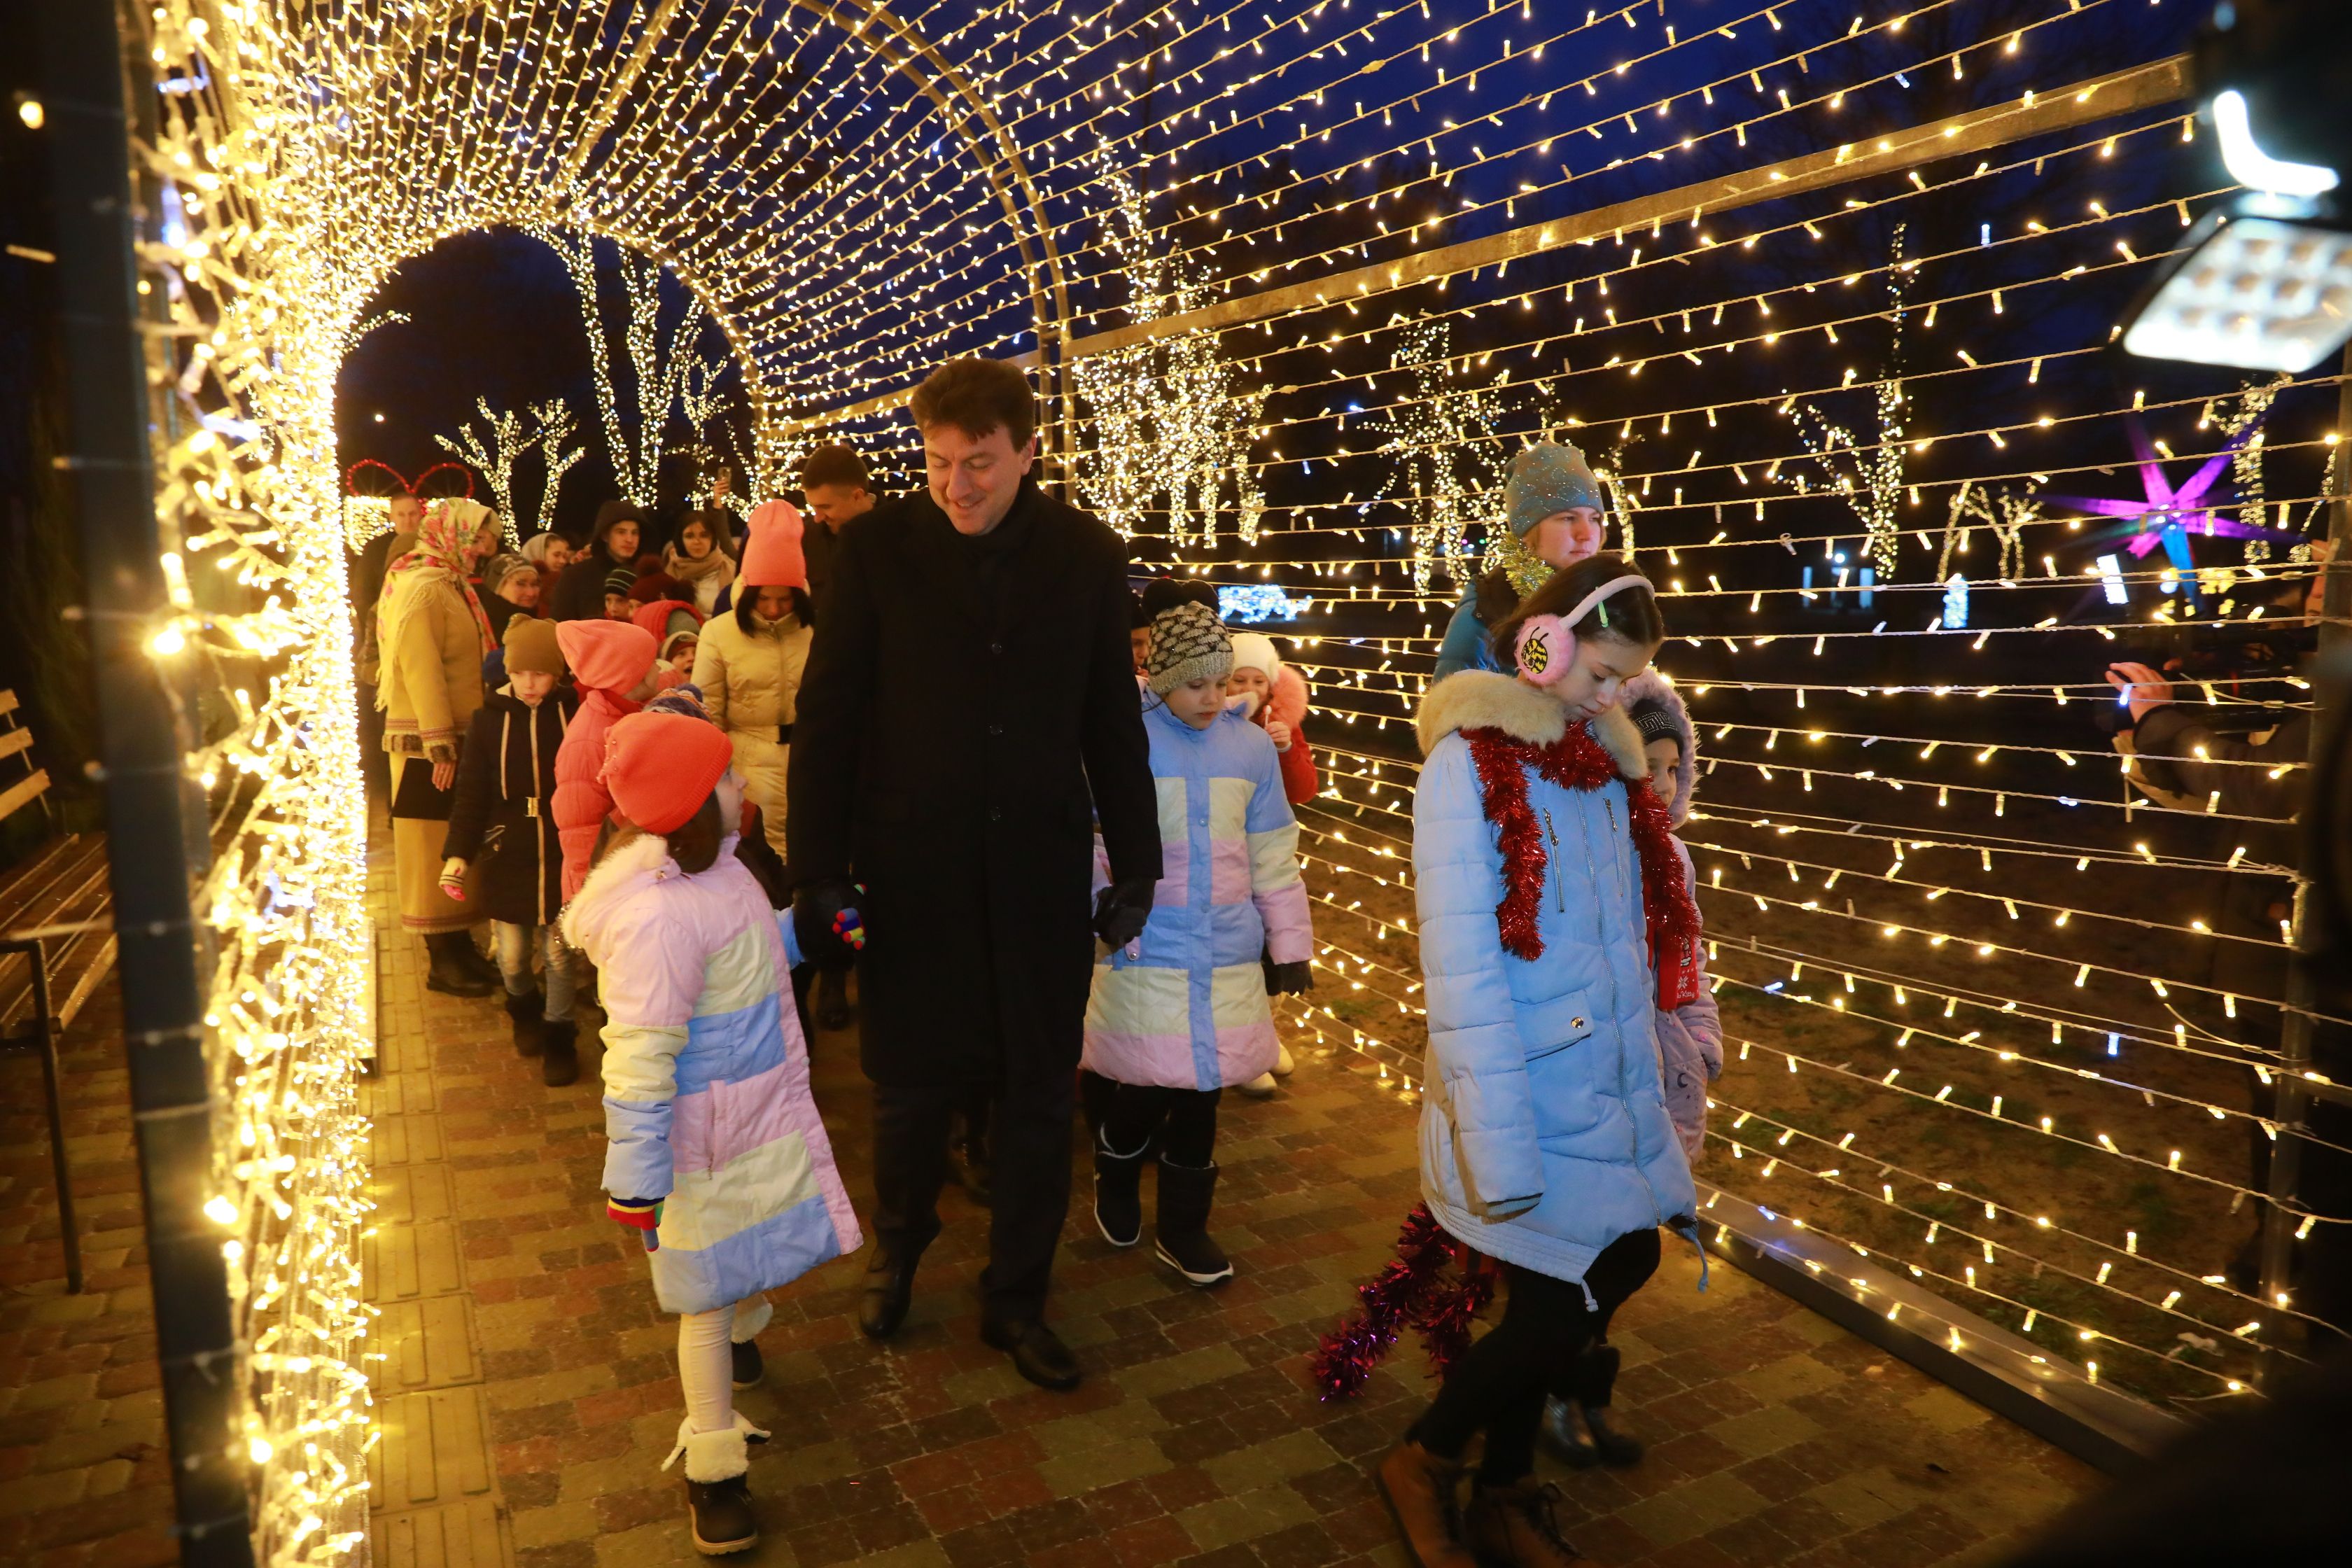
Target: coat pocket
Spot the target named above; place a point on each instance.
(1558, 1036)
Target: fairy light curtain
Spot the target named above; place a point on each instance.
(1993, 1023)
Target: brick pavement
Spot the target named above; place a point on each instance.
(84, 1480)
(530, 1387)
(1777, 1436)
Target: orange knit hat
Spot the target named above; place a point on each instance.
(772, 559)
(661, 767)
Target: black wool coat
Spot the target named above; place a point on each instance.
(968, 712)
(500, 807)
(579, 587)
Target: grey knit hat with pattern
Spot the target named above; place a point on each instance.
(1547, 477)
(1188, 644)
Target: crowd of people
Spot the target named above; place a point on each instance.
(939, 742)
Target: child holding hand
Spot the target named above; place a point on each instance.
(1181, 1014)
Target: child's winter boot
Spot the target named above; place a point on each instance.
(559, 1061)
(717, 1486)
(1595, 1375)
(1183, 1229)
(744, 1343)
(524, 1011)
(1119, 1193)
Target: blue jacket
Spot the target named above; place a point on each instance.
(1185, 1005)
(1465, 644)
(1544, 1134)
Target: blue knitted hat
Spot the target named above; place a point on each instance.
(1546, 478)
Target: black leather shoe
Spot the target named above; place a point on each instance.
(890, 1289)
(1037, 1352)
(749, 1366)
(1560, 1434)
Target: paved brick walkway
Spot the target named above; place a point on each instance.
(531, 1388)
(84, 1480)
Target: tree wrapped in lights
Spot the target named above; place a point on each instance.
(668, 368)
(1867, 474)
(504, 440)
(553, 425)
(1446, 458)
(1172, 419)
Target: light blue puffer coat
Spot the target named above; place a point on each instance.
(1544, 1135)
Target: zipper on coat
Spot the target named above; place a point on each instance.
(1600, 931)
(1558, 876)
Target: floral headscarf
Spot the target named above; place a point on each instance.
(449, 526)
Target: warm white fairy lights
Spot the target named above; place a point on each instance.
(1171, 420)
(847, 195)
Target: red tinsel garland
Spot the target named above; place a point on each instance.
(1405, 1293)
(1577, 760)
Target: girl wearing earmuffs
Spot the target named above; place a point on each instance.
(1556, 919)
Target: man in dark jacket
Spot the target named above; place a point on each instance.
(834, 480)
(580, 590)
(969, 710)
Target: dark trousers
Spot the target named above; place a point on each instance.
(1128, 1116)
(1498, 1387)
(1029, 1180)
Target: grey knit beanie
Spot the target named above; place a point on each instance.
(1188, 644)
(1546, 478)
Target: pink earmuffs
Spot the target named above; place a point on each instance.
(1546, 644)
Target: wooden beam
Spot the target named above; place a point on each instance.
(2035, 115)
(881, 404)
(25, 789)
(2142, 87)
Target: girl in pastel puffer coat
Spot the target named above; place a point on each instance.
(716, 1152)
(1690, 1038)
(1181, 1014)
(1554, 922)
(610, 661)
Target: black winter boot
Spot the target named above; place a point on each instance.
(525, 1013)
(1118, 1193)
(475, 959)
(1184, 1241)
(448, 972)
(559, 1061)
(1595, 1375)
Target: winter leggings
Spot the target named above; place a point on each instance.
(705, 1359)
(515, 945)
(1129, 1116)
(1498, 1387)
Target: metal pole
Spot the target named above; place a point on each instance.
(87, 72)
(2292, 1101)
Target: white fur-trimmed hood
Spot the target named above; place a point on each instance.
(1482, 699)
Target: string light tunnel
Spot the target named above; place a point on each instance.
(1826, 298)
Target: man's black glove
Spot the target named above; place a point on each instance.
(1121, 909)
(1288, 979)
(824, 918)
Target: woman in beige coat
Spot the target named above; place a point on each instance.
(432, 635)
(749, 660)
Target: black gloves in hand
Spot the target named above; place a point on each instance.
(1121, 909)
(1288, 979)
(824, 919)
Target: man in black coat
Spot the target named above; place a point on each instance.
(968, 712)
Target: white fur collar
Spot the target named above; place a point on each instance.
(622, 870)
(1482, 699)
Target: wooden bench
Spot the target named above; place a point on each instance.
(56, 943)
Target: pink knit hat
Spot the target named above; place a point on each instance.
(772, 559)
(661, 767)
